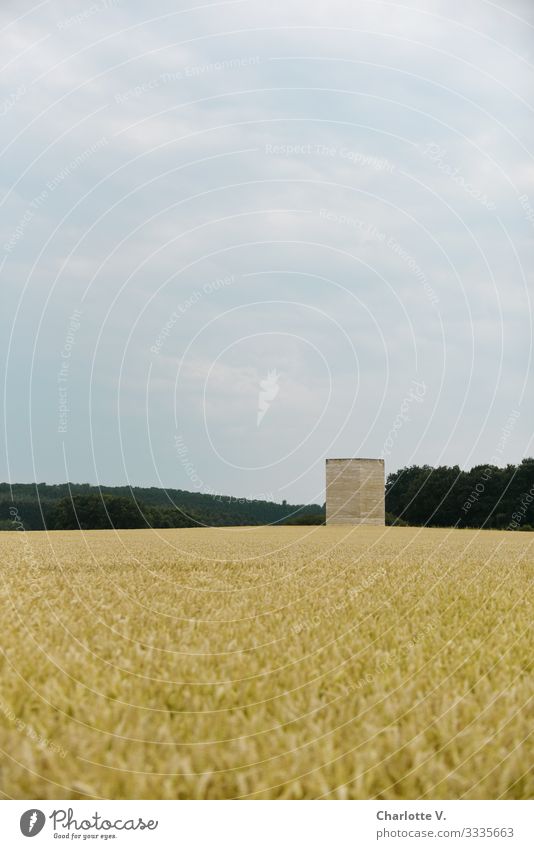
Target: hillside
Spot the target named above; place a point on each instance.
(42, 505)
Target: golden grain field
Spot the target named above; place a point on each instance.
(266, 663)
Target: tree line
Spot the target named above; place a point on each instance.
(71, 506)
(486, 496)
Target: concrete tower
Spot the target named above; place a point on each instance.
(355, 492)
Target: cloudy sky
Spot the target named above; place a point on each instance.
(240, 237)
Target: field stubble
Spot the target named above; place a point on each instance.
(266, 663)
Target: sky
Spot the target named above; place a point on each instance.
(238, 238)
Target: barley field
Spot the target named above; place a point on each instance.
(266, 663)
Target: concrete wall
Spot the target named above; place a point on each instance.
(355, 492)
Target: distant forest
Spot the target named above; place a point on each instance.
(445, 496)
(70, 506)
(485, 497)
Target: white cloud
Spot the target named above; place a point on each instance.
(187, 176)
